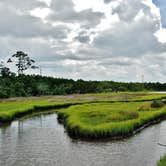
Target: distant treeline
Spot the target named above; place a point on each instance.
(35, 85)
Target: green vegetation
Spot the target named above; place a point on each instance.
(114, 120)
(9, 110)
(162, 162)
(20, 85)
(157, 103)
(92, 115)
(35, 85)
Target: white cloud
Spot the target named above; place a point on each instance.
(105, 40)
(153, 8)
(161, 35)
(139, 16)
(40, 12)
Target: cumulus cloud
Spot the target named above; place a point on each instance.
(63, 10)
(100, 39)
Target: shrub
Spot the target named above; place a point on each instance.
(157, 104)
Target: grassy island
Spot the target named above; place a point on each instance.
(114, 120)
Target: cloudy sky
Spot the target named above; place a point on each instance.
(94, 40)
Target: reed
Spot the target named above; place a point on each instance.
(15, 109)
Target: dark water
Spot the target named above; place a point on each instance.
(41, 141)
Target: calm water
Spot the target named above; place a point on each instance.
(41, 141)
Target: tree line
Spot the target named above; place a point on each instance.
(36, 85)
(20, 85)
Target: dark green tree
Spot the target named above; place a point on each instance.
(5, 71)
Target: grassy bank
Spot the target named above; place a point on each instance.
(114, 120)
(10, 110)
(90, 115)
(162, 162)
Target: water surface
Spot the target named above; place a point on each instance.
(41, 141)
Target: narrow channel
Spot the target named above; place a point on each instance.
(42, 141)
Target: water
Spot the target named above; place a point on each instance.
(41, 141)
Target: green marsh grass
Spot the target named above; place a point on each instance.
(91, 115)
(102, 120)
(9, 110)
(162, 161)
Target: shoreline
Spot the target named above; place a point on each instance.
(92, 138)
(82, 138)
(106, 129)
(66, 104)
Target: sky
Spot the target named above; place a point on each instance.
(162, 6)
(118, 40)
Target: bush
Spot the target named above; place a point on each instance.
(157, 104)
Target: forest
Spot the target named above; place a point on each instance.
(36, 85)
(21, 85)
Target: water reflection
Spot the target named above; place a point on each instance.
(42, 141)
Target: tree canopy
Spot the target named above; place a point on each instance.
(22, 62)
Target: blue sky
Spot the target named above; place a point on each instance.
(162, 5)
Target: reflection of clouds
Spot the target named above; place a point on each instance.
(49, 145)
